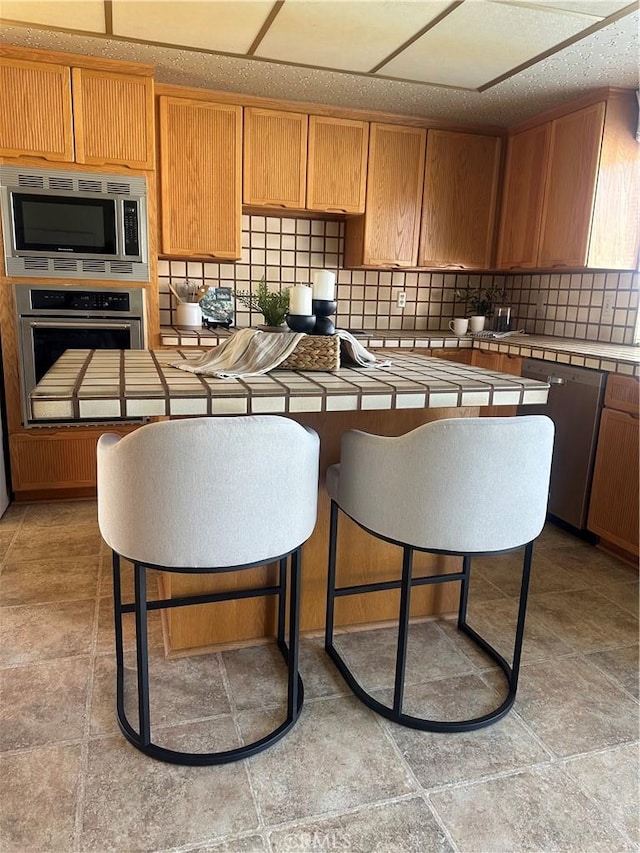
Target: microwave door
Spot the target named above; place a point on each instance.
(65, 225)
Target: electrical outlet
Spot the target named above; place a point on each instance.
(401, 299)
(607, 309)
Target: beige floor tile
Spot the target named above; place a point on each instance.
(336, 757)
(371, 655)
(585, 620)
(38, 791)
(61, 513)
(251, 844)
(6, 538)
(539, 810)
(625, 595)
(44, 703)
(547, 574)
(400, 827)
(257, 676)
(611, 779)
(496, 622)
(38, 632)
(132, 802)
(438, 759)
(458, 698)
(54, 543)
(12, 518)
(620, 664)
(573, 707)
(593, 567)
(37, 581)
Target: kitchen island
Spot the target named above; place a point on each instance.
(113, 385)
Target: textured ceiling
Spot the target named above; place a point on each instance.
(481, 61)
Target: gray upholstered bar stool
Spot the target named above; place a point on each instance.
(207, 495)
(463, 486)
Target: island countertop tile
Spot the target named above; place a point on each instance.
(614, 358)
(123, 384)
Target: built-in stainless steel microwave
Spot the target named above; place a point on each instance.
(74, 225)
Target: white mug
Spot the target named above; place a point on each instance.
(476, 324)
(459, 326)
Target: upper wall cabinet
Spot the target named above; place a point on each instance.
(387, 234)
(35, 103)
(104, 118)
(337, 164)
(200, 178)
(113, 117)
(459, 203)
(582, 211)
(275, 158)
(527, 155)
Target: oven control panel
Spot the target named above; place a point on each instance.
(80, 300)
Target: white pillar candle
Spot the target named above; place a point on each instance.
(324, 285)
(300, 300)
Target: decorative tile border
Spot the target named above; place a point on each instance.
(108, 384)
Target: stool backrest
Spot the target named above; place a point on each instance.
(461, 484)
(205, 492)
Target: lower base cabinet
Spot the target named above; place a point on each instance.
(500, 363)
(613, 509)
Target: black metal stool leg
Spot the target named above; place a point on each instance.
(403, 629)
(294, 635)
(282, 600)
(464, 590)
(522, 612)
(142, 652)
(331, 580)
(117, 619)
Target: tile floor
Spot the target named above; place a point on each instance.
(559, 773)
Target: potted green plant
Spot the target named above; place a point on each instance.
(272, 304)
(480, 302)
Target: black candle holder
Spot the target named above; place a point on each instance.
(301, 322)
(323, 309)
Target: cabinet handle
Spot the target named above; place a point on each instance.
(335, 210)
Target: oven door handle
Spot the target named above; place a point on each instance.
(94, 324)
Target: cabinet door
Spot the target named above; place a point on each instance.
(527, 157)
(275, 158)
(337, 164)
(35, 105)
(113, 116)
(200, 168)
(613, 509)
(574, 154)
(387, 235)
(459, 203)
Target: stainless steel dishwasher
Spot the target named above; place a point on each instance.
(574, 405)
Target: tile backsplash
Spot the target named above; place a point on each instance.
(593, 306)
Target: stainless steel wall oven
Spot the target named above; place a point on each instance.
(54, 319)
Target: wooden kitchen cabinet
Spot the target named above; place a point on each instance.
(500, 362)
(35, 102)
(572, 189)
(337, 164)
(613, 508)
(200, 178)
(275, 158)
(523, 195)
(83, 115)
(113, 118)
(459, 200)
(387, 234)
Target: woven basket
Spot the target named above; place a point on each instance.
(314, 352)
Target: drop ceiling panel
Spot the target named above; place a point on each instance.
(228, 27)
(480, 41)
(352, 36)
(595, 8)
(88, 15)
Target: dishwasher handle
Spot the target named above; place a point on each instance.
(556, 380)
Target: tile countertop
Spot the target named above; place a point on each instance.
(614, 358)
(119, 384)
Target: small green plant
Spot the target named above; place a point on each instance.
(272, 304)
(480, 300)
